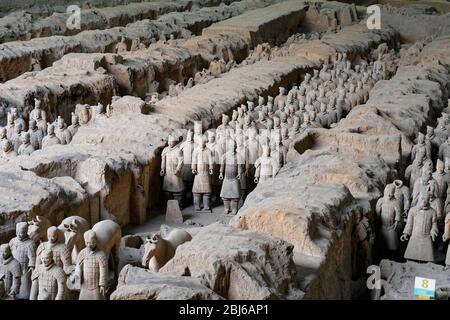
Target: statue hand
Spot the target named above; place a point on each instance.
(194, 171)
(444, 238)
(162, 173)
(102, 291)
(255, 180)
(404, 237)
(211, 171)
(12, 294)
(220, 176)
(238, 177)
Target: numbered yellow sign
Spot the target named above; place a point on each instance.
(424, 288)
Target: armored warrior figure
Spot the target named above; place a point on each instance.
(171, 170)
(25, 148)
(16, 137)
(62, 133)
(280, 97)
(230, 173)
(187, 149)
(8, 150)
(441, 179)
(73, 128)
(265, 166)
(24, 251)
(36, 135)
(48, 280)
(10, 271)
(202, 168)
(402, 195)
(37, 113)
(3, 136)
(421, 230)
(121, 47)
(17, 119)
(61, 255)
(50, 139)
(425, 183)
(390, 213)
(217, 152)
(9, 126)
(92, 269)
(421, 145)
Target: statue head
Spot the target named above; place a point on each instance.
(270, 99)
(75, 120)
(302, 91)
(50, 130)
(32, 124)
(269, 124)
(22, 231)
(172, 141)
(276, 122)
(7, 146)
(261, 115)
(211, 136)
(282, 91)
(312, 115)
(389, 191)
(100, 108)
(60, 123)
(430, 131)
(421, 138)
(47, 257)
(260, 101)
(323, 107)
(265, 150)
(225, 119)
(316, 73)
(235, 114)
(307, 78)
(17, 127)
(25, 138)
(3, 133)
(424, 200)
(440, 166)
(306, 118)
(90, 239)
(14, 113)
(250, 105)
(5, 251)
(52, 234)
(37, 104)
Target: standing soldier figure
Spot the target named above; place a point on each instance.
(24, 251)
(49, 280)
(230, 173)
(171, 166)
(10, 271)
(202, 168)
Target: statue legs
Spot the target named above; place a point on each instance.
(197, 201)
(234, 206)
(206, 202)
(226, 205)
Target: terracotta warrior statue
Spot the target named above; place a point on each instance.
(36, 135)
(50, 139)
(25, 148)
(202, 168)
(73, 128)
(62, 132)
(217, 153)
(10, 270)
(230, 173)
(8, 150)
(49, 279)
(265, 166)
(171, 170)
(92, 269)
(61, 255)
(390, 214)
(24, 251)
(421, 230)
(187, 149)
(37, 113)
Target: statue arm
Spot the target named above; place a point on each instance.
(409, 223)
(16, 278)
(180, 161)
(398, 212)
(31, 256)
(434, 227)
(379, 206)
(406, 199)
(34, 285)
(163, 161)
(66, 259)
(103, 269)
(61, 279)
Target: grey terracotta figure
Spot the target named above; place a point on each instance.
(48, 279)
(424, 184)
(75, 125)
(171, 170)
(203, 169)
(390, 214)
(8, 150)
(36, 135)
(441, 179)
(61, 132)
(24, 251)
(92, 269)
(50, 139)
(187, 149)
(16, 139)
(11, 272)
(25, 148)
(265, 166)
(62, 257)
(421, 231)
(402, 194)
(217, 153)
(230, 173)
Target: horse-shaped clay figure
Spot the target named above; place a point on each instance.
(159, 249)
(73, 229)
(37, 229)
